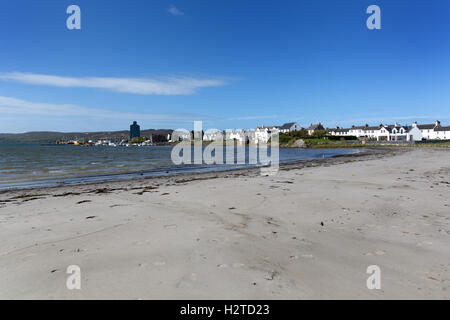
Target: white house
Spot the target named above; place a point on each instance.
(263, 133)
(375, 132)
(212, 134)
(290, 126)
(442, 133)
(357, 131)
(428, 130)
(339, 132)
(398, 132)
(415, 134)
(238, 135)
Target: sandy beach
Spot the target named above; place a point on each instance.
(309, 232)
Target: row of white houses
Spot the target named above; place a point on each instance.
(396, 132)
(262, 134)
(258, 135)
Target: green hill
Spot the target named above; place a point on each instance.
(43, 137)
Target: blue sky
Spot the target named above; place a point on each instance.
(232, 64)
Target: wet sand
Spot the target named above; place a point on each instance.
(308, 232)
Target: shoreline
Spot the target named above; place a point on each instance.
(24, 182)
(365, 152)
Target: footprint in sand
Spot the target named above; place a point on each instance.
(140, 243)
(425, 242)
(378, 253)
(238, 265)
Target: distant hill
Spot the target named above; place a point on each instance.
(52, 137)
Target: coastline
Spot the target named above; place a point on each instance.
(251, 171)
(308, 232)
(115, 164)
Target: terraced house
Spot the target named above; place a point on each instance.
(396, 132)
(442, 133)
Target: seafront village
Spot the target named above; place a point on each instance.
(289, 132)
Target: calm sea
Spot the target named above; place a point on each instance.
(35, 165)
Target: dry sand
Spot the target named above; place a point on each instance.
(309, 232)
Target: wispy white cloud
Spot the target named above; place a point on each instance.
(14, 106)
(144, 86)
(175, 11)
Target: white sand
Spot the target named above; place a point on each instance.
(239, 236)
